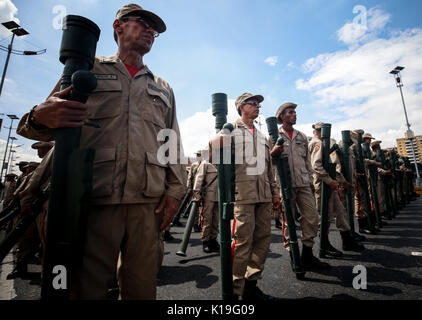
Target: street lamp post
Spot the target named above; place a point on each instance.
(12, 117)
(399, 84)
(10, 153)
(17, 31)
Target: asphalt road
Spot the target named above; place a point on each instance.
(392, 261)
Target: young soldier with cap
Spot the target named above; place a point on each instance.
(42, 147)
(296, 149)
(335, 208)
(256, 194)
(134, 196)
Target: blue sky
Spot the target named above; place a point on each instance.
(315, 53)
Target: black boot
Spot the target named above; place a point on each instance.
(310, 262)
(363, 226)
(349, 244)
(206, 247)
(167, 236)
(253, 293)
(331, 251)
(278, 224)
(177, 223)
(358, 237)
(214, 245)
(20, 271)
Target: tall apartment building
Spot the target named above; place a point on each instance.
(404, 147)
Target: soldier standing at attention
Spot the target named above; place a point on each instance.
(296, 149)
(256, 193)
(335, 207)
(134, 196)
(191, 180)
(206, 190)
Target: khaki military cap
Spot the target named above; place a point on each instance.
(134, 9)
(32, 164)
(198, 152)
(357, 131)
(246, 96)
(375, 143)
(22, 163)
(368, 135)
(317, 126)
(42, 144)
(354, 136)
(283, 107)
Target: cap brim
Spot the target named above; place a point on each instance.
(159, 24)
(257, 97)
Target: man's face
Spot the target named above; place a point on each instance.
(42, 152)
(250, 108)
(289, 116)
(317, 133)
(135, 35)
(366, 140)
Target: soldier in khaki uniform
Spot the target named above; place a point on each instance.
(38, 182)
(191, 180)
(205, 188)
(360, 195)
(135, 196)
(29, 242)
(296, 149)
(256, 193)
(9, 189)
(375, 146)
(21, 166)
(335, 207)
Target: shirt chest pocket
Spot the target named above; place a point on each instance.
(300, 147)
(157, 101)
(106, 100)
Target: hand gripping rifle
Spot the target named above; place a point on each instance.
(373, 178)
(23, 223)
(283, 170)
(226, 191)
(71, 179)
(363, 181)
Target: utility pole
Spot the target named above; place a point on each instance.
(17, 31)
(399, 84)
(12, 117)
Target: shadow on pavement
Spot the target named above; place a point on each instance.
(178, 275)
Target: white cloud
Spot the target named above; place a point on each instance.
(353, 88)
(271, 61)
(291, 64)
(197, 130)
(365, 29)
(7, 13)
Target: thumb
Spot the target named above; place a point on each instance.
(161, 205)
(64, 93)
